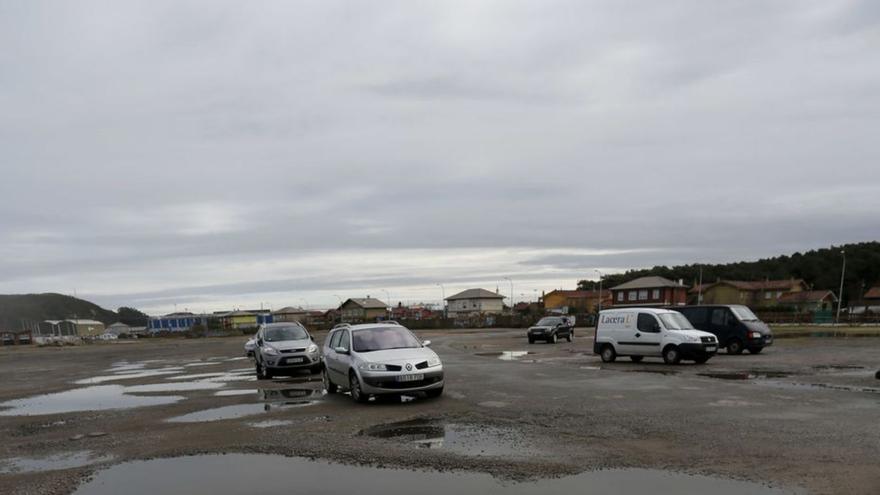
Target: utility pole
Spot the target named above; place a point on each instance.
(511, 293)
(700, 288)
(840, 293)
(443, 298)
(600, 290)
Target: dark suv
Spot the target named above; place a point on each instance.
(551, 328)
(736, 327)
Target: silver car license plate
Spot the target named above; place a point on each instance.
(411, 378)
(294, 360)
(710, 348)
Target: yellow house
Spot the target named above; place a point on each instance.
(757, 294)
(576, 300)
(239, 319)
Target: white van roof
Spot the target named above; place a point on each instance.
(656, 311)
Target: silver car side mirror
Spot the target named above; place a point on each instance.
(340, 350)
(426, 343)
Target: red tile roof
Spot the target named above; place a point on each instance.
(873, 293)
(577, 294)
(811, 296)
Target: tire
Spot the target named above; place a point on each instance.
(354, 386)
(755, 350)
(260, 375)
(329, 386)
(531, 340)
(608, 354)
(551, 339)
(267, 373)
(702, 360)
(735, 346)
(570, 336)
(636, 359)
(434, 393)
(671, 355)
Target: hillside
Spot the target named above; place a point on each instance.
(819, 268)
(38, 307)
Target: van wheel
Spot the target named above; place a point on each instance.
(671, 355)
(755, 350)
(637, 359)
(551, 339)
(570, 336)
(608, 355)
(735, 346)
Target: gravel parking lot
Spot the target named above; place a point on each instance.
(800, 417)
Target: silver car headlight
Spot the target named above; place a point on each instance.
(691, 338)
(312, 349)
(373, 367)
(270, 351)
(434, 361)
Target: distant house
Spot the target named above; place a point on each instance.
(648, 292)
(412, 312)
(756, 294)
(474, 301)
(290, 314)
(575, 301)
(870, 302)
(72, 327)
(808, 300)
(363, 309)
(243, 319)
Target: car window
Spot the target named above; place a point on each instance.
(646, 323)
(344, 340)
(719, 316)
(377, 339)
(279, 334)
(334, 339)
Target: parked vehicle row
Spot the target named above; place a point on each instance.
(681, 332)
(365, 360)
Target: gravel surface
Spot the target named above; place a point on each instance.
(803, 415)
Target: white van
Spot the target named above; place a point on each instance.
(640, 332)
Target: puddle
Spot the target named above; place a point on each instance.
(837, 367)
(123, 366)
(96, 398)
(242, 358)
(240, 473)
(236, 411)
(228, 376)
(465, 439)
(173, 387)
(283, 394)
(53, 462)
(270, 423)
(828, 386)
(747, 375)
(506, 355)
(655, 372)
(209, 363)
(235, 392)
(129, 376)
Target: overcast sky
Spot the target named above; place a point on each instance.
(215, 154)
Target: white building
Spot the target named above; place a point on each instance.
(474, 301)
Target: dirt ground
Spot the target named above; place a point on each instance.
(804, 415)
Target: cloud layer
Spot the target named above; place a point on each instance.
(216, 154)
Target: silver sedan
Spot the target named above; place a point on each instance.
(380, 359)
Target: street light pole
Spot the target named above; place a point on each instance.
(600, 289)
(442, 298)
(512, 301)
(840, 292)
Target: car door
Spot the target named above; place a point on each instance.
(645, 341)
(720, 323)
(331, 357)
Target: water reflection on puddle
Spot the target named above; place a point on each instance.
(241, 473)
(237, 391)
(130, 375)
(236, 411)
(65, 460)
(465, 439)
(96, 398)
(506, 355)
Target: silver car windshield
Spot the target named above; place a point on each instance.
(380, 339)
(676, 321)
(285, 333)
(743, 313)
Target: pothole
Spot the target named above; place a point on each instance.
(460, 438)
(747, 375)
(236, 411)
(95, 398)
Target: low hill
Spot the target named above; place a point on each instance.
(820, 268)
(16, 308)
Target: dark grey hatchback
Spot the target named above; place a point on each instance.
(551, 328)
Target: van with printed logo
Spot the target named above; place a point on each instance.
(650, 332)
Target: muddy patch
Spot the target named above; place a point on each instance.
(64, 460)
(240, 473)
(747, 375)
(96, 398)
(459, 438)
